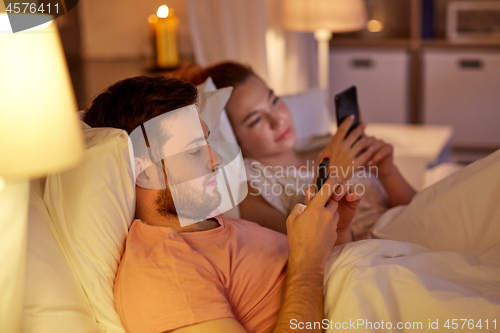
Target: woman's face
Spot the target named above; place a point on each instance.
(261, 121)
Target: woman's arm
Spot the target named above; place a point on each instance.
(254, 208)
(397, 188)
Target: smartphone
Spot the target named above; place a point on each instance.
(322, 173)
(346, 104)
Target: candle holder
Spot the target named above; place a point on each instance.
(163, 26)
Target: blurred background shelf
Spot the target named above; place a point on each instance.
(402, 43)
(446, 44)
(371, 43)
(441, 81)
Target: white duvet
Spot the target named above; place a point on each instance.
(436, 266)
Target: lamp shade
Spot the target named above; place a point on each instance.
(332, 15)
(39, 126)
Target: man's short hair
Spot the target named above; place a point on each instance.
(131, 102)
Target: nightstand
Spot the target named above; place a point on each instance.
(416, 147)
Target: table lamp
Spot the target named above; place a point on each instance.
(323, 17)
(39, 133)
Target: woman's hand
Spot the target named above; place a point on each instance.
(348, 201)
(398, 190)
(382, 157)
(346, 153)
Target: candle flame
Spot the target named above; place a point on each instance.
(162, 11)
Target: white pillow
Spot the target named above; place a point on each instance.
(54, 301)
(459, 212)
(310, 114)
(211, 109)
(92, 207)
(212, 102)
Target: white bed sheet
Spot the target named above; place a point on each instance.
(398, 282)
(439, 260)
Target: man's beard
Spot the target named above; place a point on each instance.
(188, 203)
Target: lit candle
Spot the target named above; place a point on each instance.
(164, 32)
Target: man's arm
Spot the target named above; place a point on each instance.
(303, 296)
(311, 235)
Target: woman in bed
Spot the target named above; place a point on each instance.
(277, 174)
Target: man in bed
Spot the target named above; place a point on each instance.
(218, 274)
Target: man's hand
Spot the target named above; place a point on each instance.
(312, 230)
(348, 201)
(348, 152)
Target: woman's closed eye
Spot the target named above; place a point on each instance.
(254, 122)
(275, 100)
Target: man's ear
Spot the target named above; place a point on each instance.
(139, 167)
(150, 176)
(142, 169)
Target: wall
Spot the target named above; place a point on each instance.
(118, 29)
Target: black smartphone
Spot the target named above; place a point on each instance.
(322, 173)
(346, 104)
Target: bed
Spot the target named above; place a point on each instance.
(434, 262)
(430, 261)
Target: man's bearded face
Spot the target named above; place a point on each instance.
(194, 199)
(174, 158)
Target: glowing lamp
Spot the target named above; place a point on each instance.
(324, 17)
(39, 133)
